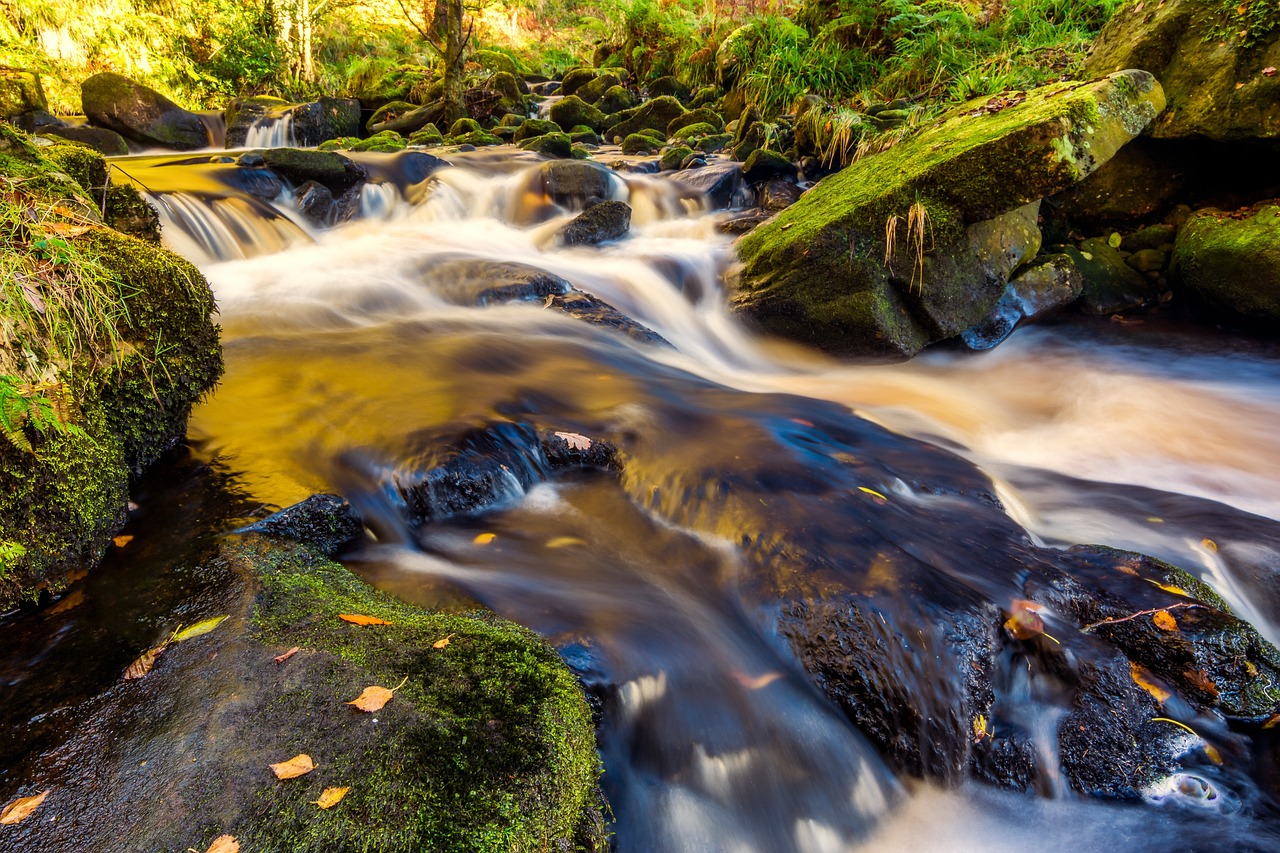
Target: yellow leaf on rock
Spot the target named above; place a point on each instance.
(224, 844)
(1148, 682)
(197, 630)
(21, 808)
(144, 664)
(299, 765)
(564, 542)
(485, 538)
(361, 619)
(1024, 621)
(1164, 620)
(331, 797)
(372, 699)
(980, 729)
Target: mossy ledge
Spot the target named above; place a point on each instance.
(143, 351)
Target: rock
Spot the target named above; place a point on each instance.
(817, 272)
(427, 136)
(763, 165)
(571, 111)
(535, 127)
(568, 184)
(999, 324)
(479, 138)
(1148, 260)
(703, 115)
(706, 96)
(599, 223)
(334, 171)
(387, 112)
(141, 114)
(1003, 243)
(712, 144)
(733, 52)
(743, 223)
(242, 113)
(640, 143)
(1048, 283)
(1215, 85)
(1151, 237)
(1110, 285)
(1231, 263)
(386, 141)
(497, 61)
(326, 523)
(674, 157)
(594, 91)
(586, 137)
(463, 126)
(616, 99)
(105, 142)
(549, 145)
(652, 115)
(1144, 177)
(779, 194)
(511, 88)
(669, 87)
(691, 132)
(721, 183)
(315, 203)
(20, 92)
(129, 213)
(412, 121)
(693, 160)
(576, 78)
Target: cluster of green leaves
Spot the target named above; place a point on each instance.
(1247, 23)
(24, 406)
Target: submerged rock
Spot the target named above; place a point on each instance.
(136, 112)
(823, 271)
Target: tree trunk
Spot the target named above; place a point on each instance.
(455, 57)
(304, 24)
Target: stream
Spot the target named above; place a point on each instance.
(358, 355)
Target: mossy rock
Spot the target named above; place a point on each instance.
(702, 115)
(715, 142)
(1231, 263)
(594, 90)
(1108, 283)
(106, 142)
(571, 111)
(693, 131)
(429, 135)
(512, 120)
(20, 92)
(615, 100)
(585, 137)
(763, 165)
(669, 87)
(579, 152)
(340, 144)
(496, 61)
(463, 126)
(139, 113)
(640, 143)
(575, 78)
(652, 115)
(387, 112)
(478, 138)
(409, 122)
(129, 213)
(123, 208)
(557, 145)
(706, 96)
(535, 127)
(673, 158)
(510, 87)
(387, 141)
(336, 172)
(1215, 85)
(817, 272)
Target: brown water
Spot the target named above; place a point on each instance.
(354, 355)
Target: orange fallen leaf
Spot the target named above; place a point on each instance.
(1272, 722)
(757, 681)
(1269, 71)
(144, 664)
(69, 601)
(441, 643)
(1024, 620)
(284, 657)
(1148, 682)
(1200, 679)
(361, 619)
(331, 797)
(485, 538)
(63, 229)
(299, 765)
(1164, 620)
(373, 698)
(575, 441)
(122, 540)
(21, 808)
(224, 844)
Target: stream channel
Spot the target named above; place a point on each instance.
(756, 472)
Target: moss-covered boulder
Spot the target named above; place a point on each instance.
(1108, 284)
(478, 138)
(535, 127)
(386, 141)
(640, 143)
(388, 111)
(243, 113)
(593, 91)
(108, 344)
(510, 88)
(702, 115)
(572, 111)
(824, 271)
(575, 78)
(336, 172)
(141, 114)
(1210, 56)
(549, 145)
(20, 92)
(1231, 263)
(651, 115)
(429, 135)
(615, 100)
(763, 165)
(496, 61)
(323, 119)
(674, 157)
(487, 745)
(671, 87)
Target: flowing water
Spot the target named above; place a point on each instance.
(357, 355)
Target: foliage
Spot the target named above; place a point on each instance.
(1249, 23)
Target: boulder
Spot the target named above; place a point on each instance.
(615, 100)
(572, 184)
(549, 145)
(763, 165)
(595, 90)
(323, 119)
(702, 115)
(574, 79)
(106, 142)
(599, 223)
(1142, 179)
(535, 127)
(1109, 284)
(652, 115)
(674, 157)
(386, 141)
(720, 183)
(427, 136)
(640, 143)
(1230, 262)
(243, 113)
(779, 194)
(1040, 288)
(1210, 59)
(140, 114)
(20, 92)
(571, 111)
(334, 171)
(825, 271)
(692, 131)
(669, 86)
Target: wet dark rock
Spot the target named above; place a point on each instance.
(599, 223)
(260, 182)
(1109, 284)
(335, 171)
(242, 113)
(694, 160)
(721, 183)
(1151, 237)
(1148, 260)
(315, 202)
(105, 142)
(1048, 283)
(141, 114)
(585, 307)
(326, 523)
(779, 194)
(251, 159)
(574, 184)
(762, 165)
(743, 223)
(1230, 262)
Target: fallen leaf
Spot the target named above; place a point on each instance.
(1272, 722)
(145, 663)
(372, 699)
(21, 808)
(122, 540)
(1212, 753)
(1155, 519)
(1209, 544)
(197, 630)
(1148, 682)
(361, 619)
(63, 229)
(69, 601)
(331, 797)
(575, 441)
(757, 681)
(1200, 679)
(1240, 85)
(299, 765)
(1024, 621)
(873, 493)
(224, 844)
(1114, 240)
(284, 657)
(1164, 620)
(980, 729)
(564, 542)
(1176, 590)
(485, 538)
(1269, 71)
(440, 644)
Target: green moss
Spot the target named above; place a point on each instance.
(636, 143)
(571, 111)
(386, 141)
(478, 138)
(535, 127)
(550, 145)
(429, 135)
(691, 131)
(1231, 264)
(463, 126)
(129, 213)
(488, 746)
(673, 158)
(703, 115)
